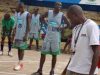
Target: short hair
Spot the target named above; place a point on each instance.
(75, 9)
(58, 3)
(6, 15)
(21, 4)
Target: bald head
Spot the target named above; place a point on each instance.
(58, 3)
(75, 15)
(21, 4)
(75, 9)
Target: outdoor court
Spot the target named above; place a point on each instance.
(31, 63)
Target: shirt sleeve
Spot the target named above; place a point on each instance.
(15, 17)
(12, 23)
(93, 34)
(3, 23)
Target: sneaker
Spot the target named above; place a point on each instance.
(1, 53)
(37, 73)
(51, 72)
(18, 67)
(10, 54)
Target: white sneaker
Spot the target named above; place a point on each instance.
(10, 54)
(18, 67)
(1, 53)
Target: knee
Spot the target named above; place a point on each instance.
(3, 38)
(9, 39)
(43, 55)
(54, 56)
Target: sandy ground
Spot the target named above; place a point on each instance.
(31, 63)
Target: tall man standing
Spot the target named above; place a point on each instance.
(51, 44)
(34, 28)
(22, 29)
(85, 43)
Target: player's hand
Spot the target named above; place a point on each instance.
(25, 38)
(59, 28)
(64, 72)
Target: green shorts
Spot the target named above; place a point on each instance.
(34, 36)
(51, 53)
(51, 48)
(6, 34)
(20, 45)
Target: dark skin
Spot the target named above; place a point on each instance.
(35, 11)
(63, 17)
(14, 30)
(68, 43)
(54, 57)
(95, 60)
(21, 9)
(76, 17)
(6, 17)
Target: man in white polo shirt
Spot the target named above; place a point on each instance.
(85, 43)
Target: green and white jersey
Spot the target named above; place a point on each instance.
(35, 23)
(21, 25)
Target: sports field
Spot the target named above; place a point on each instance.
(31, 63)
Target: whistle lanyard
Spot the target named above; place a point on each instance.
(77, 35)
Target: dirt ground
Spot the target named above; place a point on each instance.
(32, 57)
(31, 63)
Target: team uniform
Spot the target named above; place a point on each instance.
(15, 16)
(43, 30)
(35, 27)
(51, 44)
(21, 31)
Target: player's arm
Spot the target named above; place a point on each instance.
(12, 24)
(95, 60)
(93, 35)
(3, 26)
(27, 26)
(66, 22)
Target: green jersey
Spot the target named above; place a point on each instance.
(8, 24)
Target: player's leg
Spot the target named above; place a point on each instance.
(9, 45)
(19, 66)
(2, 44)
